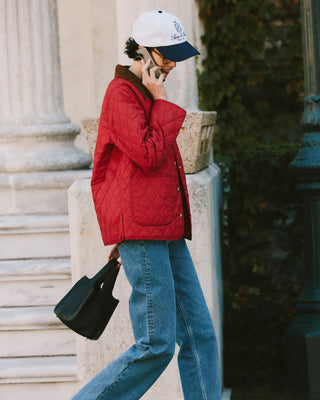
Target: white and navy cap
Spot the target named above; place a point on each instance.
(165, 32)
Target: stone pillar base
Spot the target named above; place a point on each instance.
(37, 193)
(38, 148)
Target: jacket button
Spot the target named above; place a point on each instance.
(175, 163)
(178, 189)
(181, 215)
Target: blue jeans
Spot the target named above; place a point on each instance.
(166, 306)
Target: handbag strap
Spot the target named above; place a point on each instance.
(99, 278)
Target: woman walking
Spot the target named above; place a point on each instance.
(141, 200)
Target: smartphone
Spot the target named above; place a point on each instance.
(146, 56)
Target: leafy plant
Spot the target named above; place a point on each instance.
(253, 77)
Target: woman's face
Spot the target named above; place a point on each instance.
(165, 64)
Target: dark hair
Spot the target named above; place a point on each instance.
(132, 47)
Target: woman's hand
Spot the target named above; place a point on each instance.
(153, 84)
(114, 254)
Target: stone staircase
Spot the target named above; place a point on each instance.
(37, 352)
(36, 349)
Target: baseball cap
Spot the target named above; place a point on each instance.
(165, 32)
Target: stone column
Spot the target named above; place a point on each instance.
(38, 163)
(35, 134)
(181, 85)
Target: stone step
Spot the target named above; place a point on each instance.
(35, 269)
(28, 318)
(32, 293)
(34, 331)
(37, 343)
(37, 282)
(39, 391)
(34, 236)
(38, 369)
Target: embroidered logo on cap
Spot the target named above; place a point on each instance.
(181, 35)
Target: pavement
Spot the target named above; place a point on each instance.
(226, 395)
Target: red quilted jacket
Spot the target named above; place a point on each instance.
(138, 183)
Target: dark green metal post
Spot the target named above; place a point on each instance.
(303, 335)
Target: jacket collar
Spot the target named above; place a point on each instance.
(122, 71)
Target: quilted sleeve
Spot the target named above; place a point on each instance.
(146, 142)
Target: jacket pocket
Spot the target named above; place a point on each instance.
(152, 200)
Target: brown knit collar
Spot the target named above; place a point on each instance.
(122, 71)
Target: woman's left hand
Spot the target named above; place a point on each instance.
(114, 254)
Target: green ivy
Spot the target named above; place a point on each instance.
(253, 77)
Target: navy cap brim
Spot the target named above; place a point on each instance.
(178, 52)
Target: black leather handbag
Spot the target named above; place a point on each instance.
(89, 304)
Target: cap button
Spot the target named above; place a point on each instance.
(160, 11)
